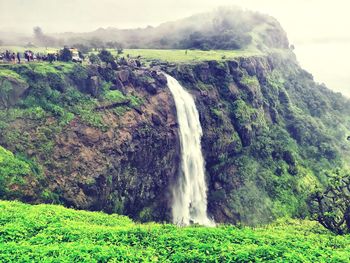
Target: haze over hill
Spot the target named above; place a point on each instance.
(310, 25)
(223, 28)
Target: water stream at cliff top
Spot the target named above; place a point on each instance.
(190, 193)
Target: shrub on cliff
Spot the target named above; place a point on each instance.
(94, 59)
(12, 171)
(331, 207)
(79, 73)
(106, 56)
(65, 55)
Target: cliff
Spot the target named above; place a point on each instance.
(271, 134)
(106, 139)
(89, 145)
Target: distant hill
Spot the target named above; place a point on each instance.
(224, 28)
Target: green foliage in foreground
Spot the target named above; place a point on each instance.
(332, 206)
(12, 171)
(49, 233)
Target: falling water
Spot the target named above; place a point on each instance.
(190, 193)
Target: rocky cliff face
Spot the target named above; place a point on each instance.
(266, 127)
(125, 166)
(104, 139)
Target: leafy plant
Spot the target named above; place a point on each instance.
(331, 207)
(65, 54)
(106, 56)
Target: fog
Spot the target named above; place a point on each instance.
(317, 28)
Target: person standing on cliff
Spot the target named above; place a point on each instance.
(7, 55)
(19, 58)
(26, 55)
(13, 58)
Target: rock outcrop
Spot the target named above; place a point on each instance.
(11, 91)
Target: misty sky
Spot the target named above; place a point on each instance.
(303, 19)
(326, 22)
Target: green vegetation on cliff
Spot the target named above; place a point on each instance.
(55, 234)
(36, 102)
(70, 121)
(271, 135)
(105, 139)
(12, 171)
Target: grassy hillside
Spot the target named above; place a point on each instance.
(50, 233)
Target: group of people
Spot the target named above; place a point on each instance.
(28, 56)
(9, 56)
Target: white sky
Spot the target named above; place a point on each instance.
(302, 19)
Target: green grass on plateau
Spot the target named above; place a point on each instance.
(170, 55)
(179, 55)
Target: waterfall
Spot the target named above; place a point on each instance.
(190, 192)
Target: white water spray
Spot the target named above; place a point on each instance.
(190, 193)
